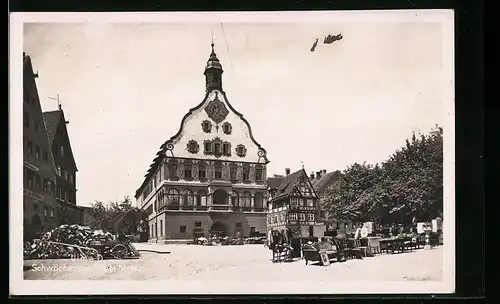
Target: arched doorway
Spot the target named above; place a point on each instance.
(218, 228)
(220, 197)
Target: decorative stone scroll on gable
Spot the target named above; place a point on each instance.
(262, 155)
(216, 110)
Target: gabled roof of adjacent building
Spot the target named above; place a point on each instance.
(51, 119)
(54, 120)
(273, 183)
(29, 76)
(287, 183)
(320, 184)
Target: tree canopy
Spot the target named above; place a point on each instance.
(115, 217)
(409, 184)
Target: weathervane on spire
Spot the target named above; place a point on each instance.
(213, 44)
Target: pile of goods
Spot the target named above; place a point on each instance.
(231, 241)
(255, 240)
(199, 241)
(215, 240)
(225, 241)
(67, 241)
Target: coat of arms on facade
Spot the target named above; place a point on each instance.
(216, 110)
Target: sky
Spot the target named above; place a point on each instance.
(125, 87)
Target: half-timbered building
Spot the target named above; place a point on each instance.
(293, 204)
(210, 176)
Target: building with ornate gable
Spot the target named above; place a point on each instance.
(210, 177)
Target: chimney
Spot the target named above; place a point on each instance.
(318, 174)
(287, 171)
(312, 175)
(324, 172)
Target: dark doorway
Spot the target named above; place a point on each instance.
(220, 197)
(311, 231)
(296, 245)
(37, 226)
(36, 220)
(219, 229)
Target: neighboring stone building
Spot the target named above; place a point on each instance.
(39, 174)
(321, 180)
(67, 209)
(210, 176)
(293, 204)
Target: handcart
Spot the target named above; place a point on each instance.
(116, 249)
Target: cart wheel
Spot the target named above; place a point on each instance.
(93, 253)
(119, 251)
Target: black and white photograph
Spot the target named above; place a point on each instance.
(232, 153)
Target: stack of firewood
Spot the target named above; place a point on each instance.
(56, 244)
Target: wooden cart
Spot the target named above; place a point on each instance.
(116, 249)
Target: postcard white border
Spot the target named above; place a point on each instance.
(25, 287)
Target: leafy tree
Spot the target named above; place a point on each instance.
(353, 196)
(415, 175)
(409, 184)
(115, 217)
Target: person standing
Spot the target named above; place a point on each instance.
(394, 231)
(289, 236)
(284, 236)
(269, 238)
(357, 235)
(364, 231)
